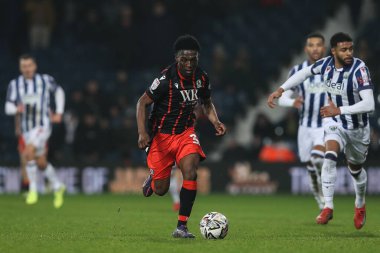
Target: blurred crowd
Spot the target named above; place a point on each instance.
(106, 53)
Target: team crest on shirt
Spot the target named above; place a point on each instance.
(360, 80)
(346, 75)
(199, 83)
(333, 128)
(365, 78)
(154, 85)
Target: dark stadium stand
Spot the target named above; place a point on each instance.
(123, 46)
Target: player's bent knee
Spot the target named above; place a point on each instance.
(355, 167)
(41, 163)
(161, 188)
(29, 156)
(41, 166)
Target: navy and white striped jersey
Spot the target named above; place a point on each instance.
(34, 95)
(314, 97)
(343, 87)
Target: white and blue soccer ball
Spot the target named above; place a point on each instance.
(214, 225)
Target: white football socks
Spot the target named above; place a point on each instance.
(359, 179)
(31, 170)
(314, 185)
(329, 178)
(173, 189)
(317, 158)
(52, 177)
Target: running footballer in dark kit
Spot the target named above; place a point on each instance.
(170, 137)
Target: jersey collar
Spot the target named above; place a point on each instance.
(344, 68)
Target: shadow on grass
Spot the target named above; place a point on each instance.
(356, 234)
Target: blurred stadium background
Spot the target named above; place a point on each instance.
(105, 53)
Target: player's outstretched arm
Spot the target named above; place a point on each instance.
(286, 100)
(293, 81)
(144, 137)
(210, 111)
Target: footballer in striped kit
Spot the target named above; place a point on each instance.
(28, 97)
(310, 97)
(350, 99)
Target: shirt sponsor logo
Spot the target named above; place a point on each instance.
(30, 99)
(189, 95)
(315, 87)
(334, 88)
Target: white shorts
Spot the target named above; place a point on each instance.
(38, 137)
(307, 139)
(354, 143)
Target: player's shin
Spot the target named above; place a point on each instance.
(329, 176)
(173, 189)
(314, 185)
(31, 170)
(359, 179)
(187, 197)
(32, 196)
(316, 159)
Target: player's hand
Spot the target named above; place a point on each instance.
(144, 140)
(330, 110)
(275, 95)
(56, 118)
(298, 102)
(20, 108)
(220, 128)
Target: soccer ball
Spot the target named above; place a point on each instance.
(214, 225)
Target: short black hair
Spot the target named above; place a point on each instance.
(315, 35)
(339, 37)
(27, 57)
(186, 42)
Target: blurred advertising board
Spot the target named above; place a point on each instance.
(233, 177)
(95, 180)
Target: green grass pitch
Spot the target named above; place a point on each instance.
(130, 223)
